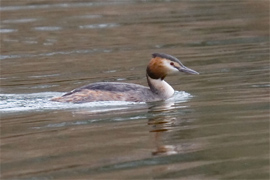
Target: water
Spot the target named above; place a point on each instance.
(41, 102)
(215, 127)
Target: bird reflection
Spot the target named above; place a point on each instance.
(161, 124)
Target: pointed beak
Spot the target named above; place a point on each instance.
(187, 70)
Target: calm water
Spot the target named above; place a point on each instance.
(215, 127)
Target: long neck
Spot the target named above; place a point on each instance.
(160, 87)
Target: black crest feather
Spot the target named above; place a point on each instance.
(166, 56)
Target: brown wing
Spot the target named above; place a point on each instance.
(88, 95)
(105, 92)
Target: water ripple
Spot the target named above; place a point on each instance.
(48, 28)
(89, 16)
(44, 6)
(8, 30)
(41, 102)
(98, 26)
(85, 51)
(60, 5)
(25, 20)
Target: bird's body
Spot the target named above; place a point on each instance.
(159, 67)
(109, 91)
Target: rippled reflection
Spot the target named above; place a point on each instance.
(166, 118)
(160, 126)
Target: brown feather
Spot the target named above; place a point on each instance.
(155, 68)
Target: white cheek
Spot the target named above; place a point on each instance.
(170, 69)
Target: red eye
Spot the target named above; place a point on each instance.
(172, 63)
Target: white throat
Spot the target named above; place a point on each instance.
(160, 87)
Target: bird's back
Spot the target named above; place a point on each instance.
(107, 91)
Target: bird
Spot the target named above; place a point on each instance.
(159, 67)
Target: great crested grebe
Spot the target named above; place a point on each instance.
(158, 68)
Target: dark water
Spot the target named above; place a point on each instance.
(216, 126)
